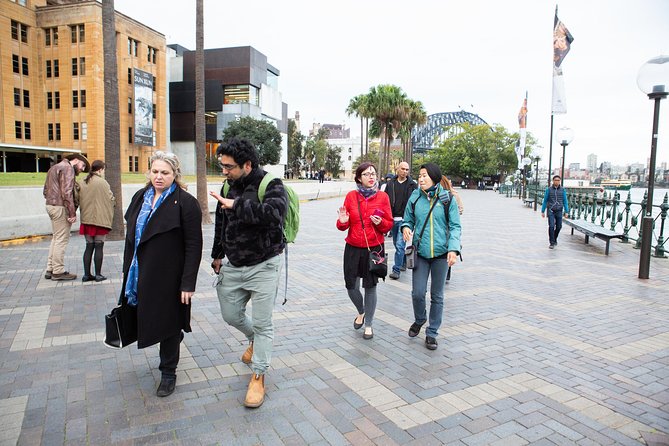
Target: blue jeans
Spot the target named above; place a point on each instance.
(554, 225)
(400, 244)
(258, 284)
(436, 268)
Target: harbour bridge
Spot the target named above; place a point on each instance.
(440, 125)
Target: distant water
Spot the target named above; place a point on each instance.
(638, 192)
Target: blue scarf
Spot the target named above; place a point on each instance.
(144, 216)
(368, 191)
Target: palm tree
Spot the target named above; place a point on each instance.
(386, 106)
(200, 160)
(356, 106)
(416, 115)
(112, 130)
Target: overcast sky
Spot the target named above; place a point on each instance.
(478, 55)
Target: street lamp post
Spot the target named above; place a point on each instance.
(536, 181)
(565, 136)
(653, 80)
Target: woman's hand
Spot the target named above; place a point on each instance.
(186, 296)
(407, 234)
(451, 257)
(375, 219)
(343, 215)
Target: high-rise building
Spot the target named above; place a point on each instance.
(52, 94)
(592, 162)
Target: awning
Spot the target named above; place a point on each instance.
(22, 148)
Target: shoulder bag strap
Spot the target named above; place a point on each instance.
(420, 236)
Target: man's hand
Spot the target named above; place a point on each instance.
(216, 265)
(72, 219)
(543, 215)
(566, 215)
(226, 203)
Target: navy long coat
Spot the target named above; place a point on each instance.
(168, 257)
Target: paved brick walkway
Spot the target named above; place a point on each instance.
(537, 346)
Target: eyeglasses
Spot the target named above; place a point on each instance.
(227, 166)
(368, 174)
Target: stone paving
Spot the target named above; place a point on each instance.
(537, 346)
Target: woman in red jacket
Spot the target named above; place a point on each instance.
(367, 216)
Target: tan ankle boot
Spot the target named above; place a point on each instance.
(248, 354)
(255, 396)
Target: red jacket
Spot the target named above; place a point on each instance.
(375, 234)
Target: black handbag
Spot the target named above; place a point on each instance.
(378, 262)
(121, 327)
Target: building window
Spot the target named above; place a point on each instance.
(75, 131)
(130, 164)
(56, 100)
(130, 135)
(154, 83)
(136, 164)
(84, 131)
(82, 66)
(349, 150)
(18, 129)
(48, 68)
(26, 130)
(75, 66)
(49, 100)
(51, 36)
(26, 98)
(130, 75)
(349, 157)
(24, 65)
(82, 98)
(153, 110)
(151, 55)
(57, 131)
(24, 36)
(50, 131)
(129, 105)
(240, 94)
(133, 46)
(17, 97)
(56, 70)
(15, 63)
(15, 30)
(77, 31)
(75, 98)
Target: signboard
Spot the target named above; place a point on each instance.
(143, 107)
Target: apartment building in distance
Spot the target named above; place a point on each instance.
(52, 85)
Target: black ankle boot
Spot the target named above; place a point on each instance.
(166, 387)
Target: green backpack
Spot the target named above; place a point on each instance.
(291, 224)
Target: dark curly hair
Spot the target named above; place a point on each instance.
(239, 149)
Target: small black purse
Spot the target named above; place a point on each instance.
(121, 327)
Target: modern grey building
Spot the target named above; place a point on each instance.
(238, 82)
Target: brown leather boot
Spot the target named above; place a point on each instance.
(255, 396)
(248, 354)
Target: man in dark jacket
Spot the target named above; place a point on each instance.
(250, 234)
(59, 194)
(555, 201)
(399, 190)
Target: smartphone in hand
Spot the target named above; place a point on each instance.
(378, 212)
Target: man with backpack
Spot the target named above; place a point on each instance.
(249, 232)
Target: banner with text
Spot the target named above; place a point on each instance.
(143, 108)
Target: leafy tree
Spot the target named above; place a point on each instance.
(263, 134)
(333, 162)
(295, 147)
(479, 150)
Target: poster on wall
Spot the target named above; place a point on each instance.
(143, 108)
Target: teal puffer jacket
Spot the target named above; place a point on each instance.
(437, 239)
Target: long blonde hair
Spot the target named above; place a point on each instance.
(171, 159)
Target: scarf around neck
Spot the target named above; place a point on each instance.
(368, 191)
(145, 214)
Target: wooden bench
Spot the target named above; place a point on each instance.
(529, 202)
(592, 230)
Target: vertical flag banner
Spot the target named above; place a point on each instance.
(522, 124)
(143, 108)
(562, 40)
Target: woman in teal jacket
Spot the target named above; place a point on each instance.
(432, 225)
